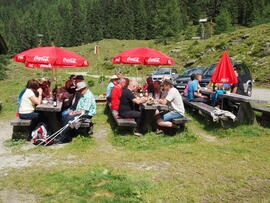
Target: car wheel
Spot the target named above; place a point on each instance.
(249, 91)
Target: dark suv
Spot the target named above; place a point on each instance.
(244, 78)
(183, 79)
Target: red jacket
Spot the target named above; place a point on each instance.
(115, 98)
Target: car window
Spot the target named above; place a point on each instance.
(241, 69)
(246, 70)
(174, 71)
(209, 71)
(162, 72)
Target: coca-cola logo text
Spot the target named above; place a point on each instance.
(69, 60)
(130, 59)
(41, 58)
(153, 60)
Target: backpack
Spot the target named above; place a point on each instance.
(40, 135)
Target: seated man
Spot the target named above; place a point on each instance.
(113, 82)
(85, 105)
(126, 108)
(117, 93)
(175, 102)
(193, 90)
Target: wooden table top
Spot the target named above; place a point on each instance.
(163, 107)
(48, 107)
(235, 97)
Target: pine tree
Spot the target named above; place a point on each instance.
(168, 20)
(140, 17)
(223, 22)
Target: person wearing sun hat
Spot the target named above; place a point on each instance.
(85, 105)
(113, 82)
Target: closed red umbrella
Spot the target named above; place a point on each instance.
(224, 72)
(51, 57)
(144, 56)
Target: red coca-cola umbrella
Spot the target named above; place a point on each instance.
(50, 57)
(144, 56)
(224, 73)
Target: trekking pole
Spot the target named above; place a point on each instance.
(53, 136)
(59, 131)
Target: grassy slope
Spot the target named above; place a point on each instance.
(205, 52)
(183, 168)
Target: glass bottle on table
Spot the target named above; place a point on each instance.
(54, 94)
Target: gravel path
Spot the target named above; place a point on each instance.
(261, 93)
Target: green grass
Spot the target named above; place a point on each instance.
(95, 185)
(154, 168)
(152, 141)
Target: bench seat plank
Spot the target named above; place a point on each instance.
(122, 122)
(205, 108)
(260, 109)
(20, 122)
(182, 120)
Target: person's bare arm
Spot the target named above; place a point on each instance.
(197, 94)
(77, 112)
(234, 90)
(37, 100)
(163, 101)
(138, 100)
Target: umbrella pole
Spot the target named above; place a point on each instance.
(142, 71)
(54, 75)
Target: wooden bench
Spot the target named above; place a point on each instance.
(122, 122)
(86, 128)
(209, 111)
(204, 108)
(262, 109)
(265, 112)
(181, 121)
(21, 128)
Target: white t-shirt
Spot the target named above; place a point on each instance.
(175, 101)
(26, 105)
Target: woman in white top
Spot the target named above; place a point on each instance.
(30, 100)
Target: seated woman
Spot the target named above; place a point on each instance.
(149, 86)
(28, 102)
(157, 90)
(45, 85)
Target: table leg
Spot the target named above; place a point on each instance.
(246, 114)
(148, 120)
(53, 121)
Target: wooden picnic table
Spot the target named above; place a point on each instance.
(51, 114)
(100, 100)
(48, 107)
(148, 115)
(245, 114)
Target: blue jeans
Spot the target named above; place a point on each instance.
(67, 133)
(171, 115)
(30, 116)
(35, 117)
